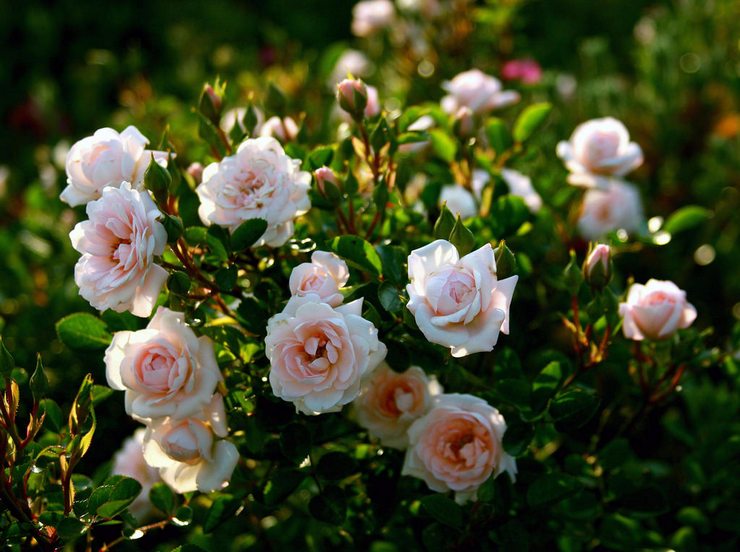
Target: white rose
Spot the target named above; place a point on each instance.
(458, 302)
(457, 446)
(106, 158)
(118, 245)
(371, 16)
(477, 91)
(599, 149)
(188, 456)
(165, 369)
(655, 310)
(459, 201)
(259, 181)
(325, 275)
(319, 355)
(521, 186)
(129, 461)
(604, 210)
(390, 402)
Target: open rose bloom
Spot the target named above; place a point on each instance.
(165, 369)
(325, 275)
(457, 446)
(391, 401)
(118, 245)
(598, 150)
(521, 186)
(319, 355)
(477, 91)
(371, 16)
(459, 201)
(459, 302)
(129, 461)
(258, 181)
(604, 210)
(191, 453)
(106, 158)
(655, 310)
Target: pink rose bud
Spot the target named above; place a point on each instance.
(597, 268)
(352, 97)
(655, 310)
(323, 175)
(196, 171)
(211, 103)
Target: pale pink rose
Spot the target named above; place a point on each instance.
(284, 129)
(320, 355)
(187, 452)
(165, 369)
(526, 70)
(457, 446)
(259, 181)
(325, 275)
(106, 158)
(655, 310)
(598, 150)
(390, 402)
(459, 303)
(459, 201)
(521, 186)
(129, 461)
(478, 91)
(371, 16)
(118, 245)
(605, 210)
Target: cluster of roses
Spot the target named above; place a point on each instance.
(170, 375)
(324, 355)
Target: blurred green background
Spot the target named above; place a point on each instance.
(670, 69)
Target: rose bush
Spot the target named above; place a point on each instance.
(283, 322)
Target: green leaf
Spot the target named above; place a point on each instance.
(394, 260)
(247, 234)
(443, 145)
(498, 135)
(551, 488)
(163, 498)
(517, 438)
(54, 416)
(173, 226)
(574, 407)
(226, 277)
(281, 484)
(445, 223)
(84, 332)
(357, 252)
(389, 297)
(222, 509)
(530, 120)
(686, 218)
(178, 283)
(217, 239)
(546, 384)
(113, 496)
(320, 157)
(462, 238)
(157, 180)
(330, 506)
(69, 529)
(443, 509)
(100, 393)
(295, 442)
(334, 466)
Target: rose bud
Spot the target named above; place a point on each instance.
(325, 174)
(597, 269)
(211, 104)
(352, 97)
